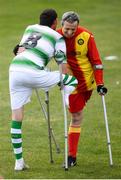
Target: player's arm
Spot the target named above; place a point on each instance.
(60, 54)
(97, 65)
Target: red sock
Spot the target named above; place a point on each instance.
(73, 139)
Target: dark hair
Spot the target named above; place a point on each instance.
(47, 17)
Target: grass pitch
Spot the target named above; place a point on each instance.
(103, 18)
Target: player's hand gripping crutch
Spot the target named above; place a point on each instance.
(65, 118)
(102, 91)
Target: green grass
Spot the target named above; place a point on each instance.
(103, 18)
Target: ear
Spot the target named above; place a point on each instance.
(55, 22)
(54, 25)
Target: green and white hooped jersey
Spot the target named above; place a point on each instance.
(42, 44)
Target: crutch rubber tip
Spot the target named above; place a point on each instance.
(66, 169)
(58, 151)
(51, 161)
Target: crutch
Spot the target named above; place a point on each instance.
(107, 131)
(65, 119)
(45, 114)
(50, 130)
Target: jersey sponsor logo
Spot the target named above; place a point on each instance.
(80, 41)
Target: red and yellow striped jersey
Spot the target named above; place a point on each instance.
(82, 56)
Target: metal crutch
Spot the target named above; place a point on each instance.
(65, 119)
(107, 131)
(46, 117)
(45, 114)
(48, 122)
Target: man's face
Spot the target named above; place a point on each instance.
(69, 29)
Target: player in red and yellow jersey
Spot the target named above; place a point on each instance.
(85, 64)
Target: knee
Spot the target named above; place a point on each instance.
(77, 118)
(17, 117)
(17, 114)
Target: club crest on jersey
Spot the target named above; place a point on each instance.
(80, 41)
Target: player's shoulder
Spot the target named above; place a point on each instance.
(55, 33)
(33, 27)
(50, 31)
(83, 29)
(60, 31)
(59, 35)
(45, 30)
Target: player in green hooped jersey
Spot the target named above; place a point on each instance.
(40, 43)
